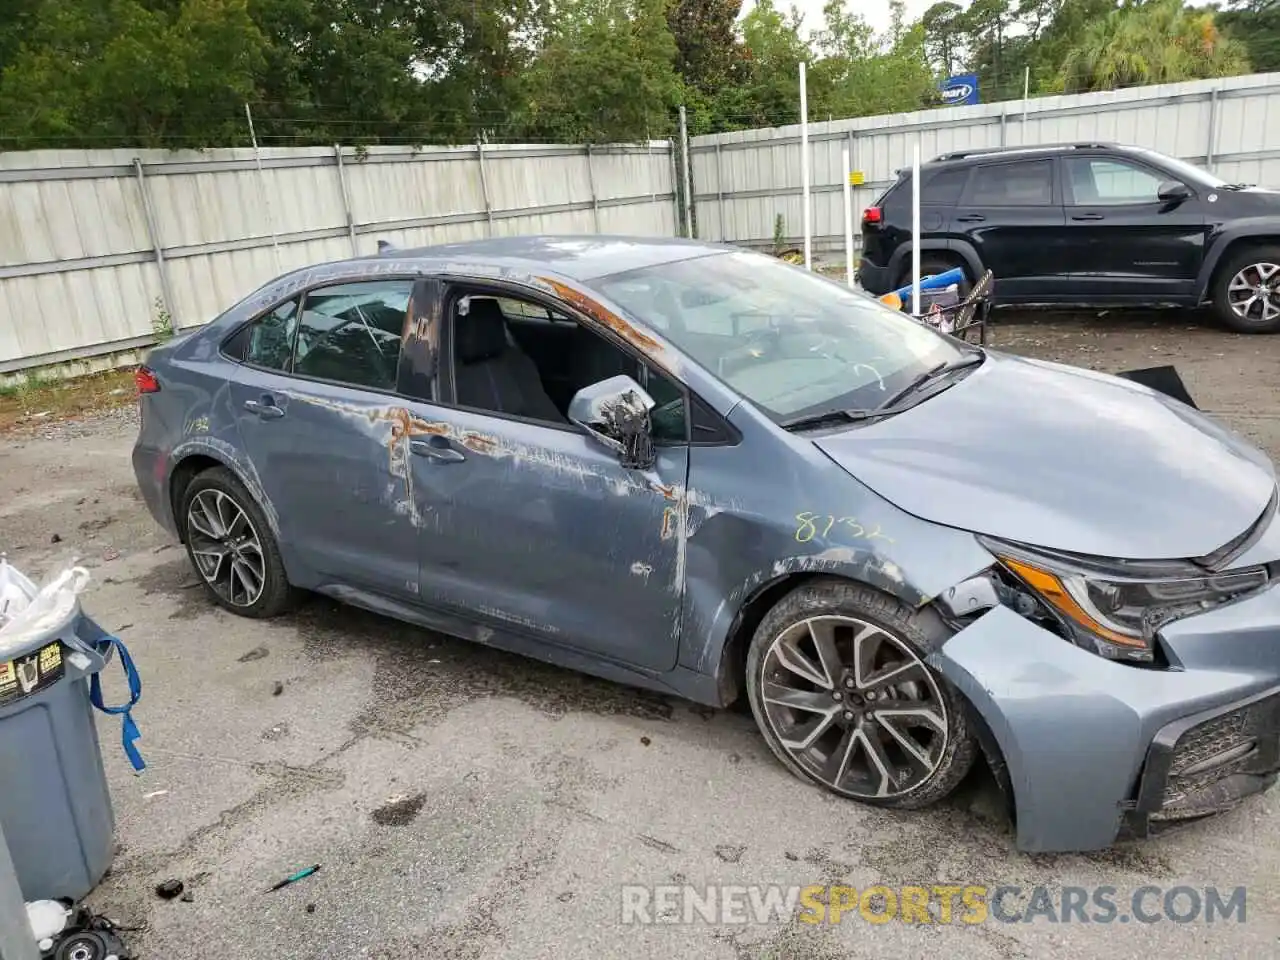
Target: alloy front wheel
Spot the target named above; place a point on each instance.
(840, 688)
(1246, 290)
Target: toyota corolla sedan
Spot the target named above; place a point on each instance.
(707, 472)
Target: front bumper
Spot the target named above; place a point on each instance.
(1207, 764)
(1097, 750)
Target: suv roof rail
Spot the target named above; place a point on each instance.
(986, 151)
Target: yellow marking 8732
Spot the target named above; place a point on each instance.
(820, 525)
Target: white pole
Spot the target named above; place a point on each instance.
(1026, 94)
(684, 169)
(915, 228)
(804, 169)
(262, 186)
(848, 219)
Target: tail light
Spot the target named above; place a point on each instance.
(146, 381)
(871, 215)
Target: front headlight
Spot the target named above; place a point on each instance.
(1117, 609)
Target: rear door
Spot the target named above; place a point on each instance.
(1012, 213)
(318, 413)
(1124, 241)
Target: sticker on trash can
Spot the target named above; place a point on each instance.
(30, 674)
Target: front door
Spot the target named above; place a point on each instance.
(316, 412)
(1012, 214)
(530, 525)
(1124, 241)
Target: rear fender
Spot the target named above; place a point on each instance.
(962, 248)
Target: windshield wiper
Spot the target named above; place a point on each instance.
(1236, 186)
(933, 373)
(883, 409)
(827, 416)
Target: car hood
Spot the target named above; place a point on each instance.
(1063, 458)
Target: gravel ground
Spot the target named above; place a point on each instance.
(467, 804)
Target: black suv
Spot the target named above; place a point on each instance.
(1095, 224)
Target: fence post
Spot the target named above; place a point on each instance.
(1213, 127)
(675, 183)
(484, 187)
(165, 289)
(720, 192)
(346, 200)
(15, 932)
(686, 163)
(595, 197)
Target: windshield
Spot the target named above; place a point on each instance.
(790, 341)
(1185, 171)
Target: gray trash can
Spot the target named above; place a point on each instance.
(54, 804)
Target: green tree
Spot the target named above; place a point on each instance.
(119, 71)
(863, 73)
(1160, 41)
(944, 32)
(606, 71)
(1256, 24)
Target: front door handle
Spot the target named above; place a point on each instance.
(971, 218)
(265, 408)
(437, 448)
(1088, 216)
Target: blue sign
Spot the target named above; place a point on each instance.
(960, 89)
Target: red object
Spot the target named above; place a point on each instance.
(146, 381)
(871, 215)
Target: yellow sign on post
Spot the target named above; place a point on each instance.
(856, 178)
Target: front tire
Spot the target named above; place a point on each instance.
(838, 684)
(1246, 291)
(231, 546)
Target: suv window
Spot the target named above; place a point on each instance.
(351, 333)
(945, 187)
(1096, 182)
(1026, 183)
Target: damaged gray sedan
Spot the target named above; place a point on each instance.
(704, 471)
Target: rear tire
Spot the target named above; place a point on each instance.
(838, 683)
(231, 546)
(1246, 290)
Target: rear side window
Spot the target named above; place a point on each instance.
(945, 187)
(1026, 183)
(351, 333)
(268, 341)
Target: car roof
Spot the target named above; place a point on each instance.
(577, 257)
(997, 153)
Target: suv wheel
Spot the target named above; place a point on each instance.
(1246, 291)
(230, 545)
(838, 684)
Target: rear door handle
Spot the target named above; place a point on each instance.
(437, 448)
(971, 218)
(265, 408)
(1088, 216)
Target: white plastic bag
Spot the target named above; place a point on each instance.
(45, 610)
(16, 591)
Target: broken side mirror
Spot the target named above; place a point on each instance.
(615, 413)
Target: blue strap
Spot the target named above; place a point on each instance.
(129, 731)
